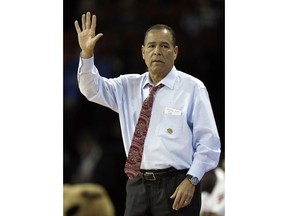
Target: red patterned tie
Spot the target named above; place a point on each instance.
(133, 162)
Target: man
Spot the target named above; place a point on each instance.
(179, 139)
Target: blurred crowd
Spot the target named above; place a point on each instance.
(93, 150)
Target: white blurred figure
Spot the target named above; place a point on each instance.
(213, 203)
(90, 153)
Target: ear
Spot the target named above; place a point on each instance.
(176, 49)
(142, 50)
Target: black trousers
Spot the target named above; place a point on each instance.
(152, 198)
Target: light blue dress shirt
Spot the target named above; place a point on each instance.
(182, 131)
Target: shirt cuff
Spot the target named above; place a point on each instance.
(86, 65)
(196, 173)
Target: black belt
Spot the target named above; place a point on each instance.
(153, 175)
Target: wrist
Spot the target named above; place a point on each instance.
(192, 179)
(86, 55)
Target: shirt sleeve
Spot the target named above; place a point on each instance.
(206, 141)
(96, 88)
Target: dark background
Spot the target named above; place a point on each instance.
(91, 132)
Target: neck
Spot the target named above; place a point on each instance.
(157, 77)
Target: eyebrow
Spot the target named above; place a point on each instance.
(163, 42)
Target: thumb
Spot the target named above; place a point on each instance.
(97, 37)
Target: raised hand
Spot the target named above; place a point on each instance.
(86, 38)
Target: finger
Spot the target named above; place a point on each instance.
(173, 195)
(180, 201)
(88, 21)
(183, 202)
(83, 22)
(93, 26)
(97, 37)
(176, 204)
(77, 27)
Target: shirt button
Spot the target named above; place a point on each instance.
(169, 130)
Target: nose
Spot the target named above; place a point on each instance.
(157, 50)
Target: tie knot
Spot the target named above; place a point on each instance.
(153, 89)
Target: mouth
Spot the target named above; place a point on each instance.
(157, 61)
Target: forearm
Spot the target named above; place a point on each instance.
(206, 141)
(87, 77)
(206, 157)
(94, 87)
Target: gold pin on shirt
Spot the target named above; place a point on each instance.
(169, 130)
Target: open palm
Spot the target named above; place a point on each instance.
(86, 38)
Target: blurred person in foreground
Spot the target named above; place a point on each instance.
(213, 191)
(179, 139)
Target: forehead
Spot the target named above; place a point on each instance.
(158, 35)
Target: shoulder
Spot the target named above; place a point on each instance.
(187, 79)
(132, 81)
(133, 77)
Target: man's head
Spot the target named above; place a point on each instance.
(159, 50)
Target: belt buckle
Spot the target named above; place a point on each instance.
(150, 174)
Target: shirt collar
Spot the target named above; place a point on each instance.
(168, 80)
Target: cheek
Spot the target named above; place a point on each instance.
(146, 56)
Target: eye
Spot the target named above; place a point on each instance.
(151, 46)
(166, 46)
